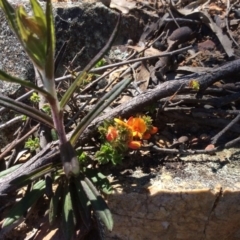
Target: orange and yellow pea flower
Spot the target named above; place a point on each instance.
(138, 128)
(136, 125)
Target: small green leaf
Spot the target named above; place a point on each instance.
(98, 204)
(32, 144)
(35, 98)
(194, 84)
(54, 204)
(25, 203)
(54, 135)
(68, 215)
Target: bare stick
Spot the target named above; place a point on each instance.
(224, 130)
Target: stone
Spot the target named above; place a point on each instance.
(81, 23)
(199, 203)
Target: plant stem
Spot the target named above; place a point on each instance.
(57, 116)
(67, 152)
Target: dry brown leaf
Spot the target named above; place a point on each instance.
(143, 75)
(198, 12)
(123, 5)
(213, 7)
(124, 99)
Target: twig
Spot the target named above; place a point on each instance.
(217, 123)
(224, 130)
(227, 25)
(94, 70)
(184, 152)
(214, 101)
(11, 122)
(16, 142)
(231, 143)
(170, 12)
(75, 58)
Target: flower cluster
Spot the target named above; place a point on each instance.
(120, 135)
(131, 132)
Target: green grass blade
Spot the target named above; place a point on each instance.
(26, 110)
(98, 204)
(25, 203)
(92, 63)
(105, 101)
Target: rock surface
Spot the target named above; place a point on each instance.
(201, 201)
(81, 23)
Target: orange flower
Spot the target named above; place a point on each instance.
(138, 126)
(112, 133)
(134, 144)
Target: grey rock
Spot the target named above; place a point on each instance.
(82, 24)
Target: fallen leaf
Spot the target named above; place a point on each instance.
(123, 5)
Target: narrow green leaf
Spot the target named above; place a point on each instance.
(99, 180)
(49, 67)
(26, 110)
(8, 78)
(38, 12)
(9, 170)
(98, 204)
(77, 82)
(25, 203)
(68, 215)
(32, 36)
(106, 100)
(84, 205)
(54, 204)
(26, 179)
(10, 15)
